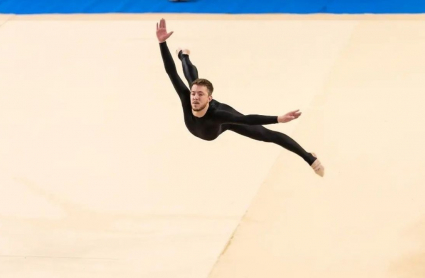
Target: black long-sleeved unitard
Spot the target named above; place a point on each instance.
(221, 117)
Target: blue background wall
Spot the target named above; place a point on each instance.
(212, 6)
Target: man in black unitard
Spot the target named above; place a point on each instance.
(206, 118)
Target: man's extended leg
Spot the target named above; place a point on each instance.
(261, 133)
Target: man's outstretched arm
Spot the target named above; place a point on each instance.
(225, 117)
(169, 65)
(230, 118)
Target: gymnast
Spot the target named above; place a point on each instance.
(206, 118)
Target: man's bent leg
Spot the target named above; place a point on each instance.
(189, 70)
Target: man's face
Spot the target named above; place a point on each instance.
(199, 97)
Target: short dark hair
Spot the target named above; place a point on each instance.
(204, 82)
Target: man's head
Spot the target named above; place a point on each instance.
(200, 94)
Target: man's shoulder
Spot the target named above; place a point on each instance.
(213, 110)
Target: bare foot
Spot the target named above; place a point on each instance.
(318, 167)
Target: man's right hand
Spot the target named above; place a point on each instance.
(289, 116)
(161, 31)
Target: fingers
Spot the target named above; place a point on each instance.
(169, 34)
(162, 23)
(296, 112)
